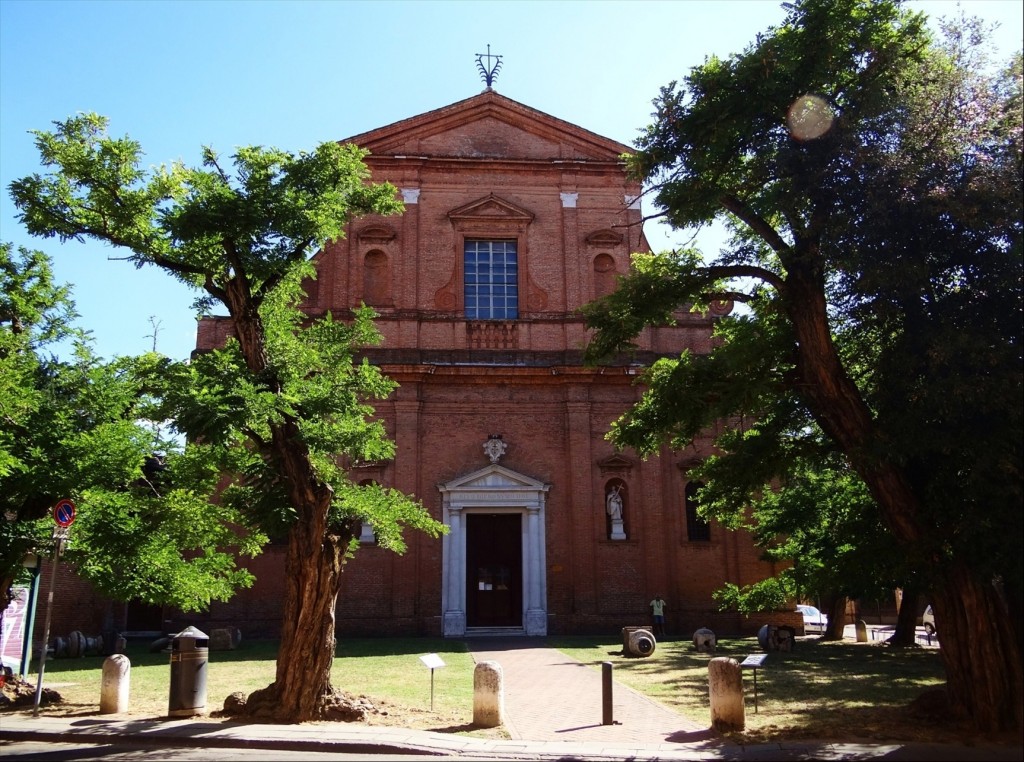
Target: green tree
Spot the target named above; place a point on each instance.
(33, 313)
(872, 179)
(76, 429)
(281, 407)
(817, 520)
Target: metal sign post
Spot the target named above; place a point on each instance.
(64, 516)
(34, 562)
(432, 661)
(754, 661)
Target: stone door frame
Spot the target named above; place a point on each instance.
(494, 489)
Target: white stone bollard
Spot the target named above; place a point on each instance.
(725, 689)
(488, 695)
(116, 680)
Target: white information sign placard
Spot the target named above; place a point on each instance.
(432, 661)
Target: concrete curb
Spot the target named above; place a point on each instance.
(371, 740)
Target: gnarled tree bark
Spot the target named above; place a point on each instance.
(980, 648)
(314, 559)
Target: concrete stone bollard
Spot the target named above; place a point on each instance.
(862, 631)
(488, 695)
(116, 681)
(725, 689)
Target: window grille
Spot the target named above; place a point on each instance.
(491, 275)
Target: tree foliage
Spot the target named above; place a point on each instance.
(273, 416)
(77, 429)
(871, 177)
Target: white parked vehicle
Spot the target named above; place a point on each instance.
(815, 623)
(928, 620)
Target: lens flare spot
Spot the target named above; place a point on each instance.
(809, 117)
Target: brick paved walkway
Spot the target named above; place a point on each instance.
(551, 697)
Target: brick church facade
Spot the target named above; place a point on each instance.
(513, 220)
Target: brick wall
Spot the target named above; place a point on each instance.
(76, 607)
(491, 168)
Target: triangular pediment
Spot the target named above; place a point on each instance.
(604, 238)
(488, 126)
(376, 234)
(492, 209)
(494, 478)
(615, 463)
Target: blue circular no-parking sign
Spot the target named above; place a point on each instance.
(64, 513)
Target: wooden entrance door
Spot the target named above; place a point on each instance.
(494, 570)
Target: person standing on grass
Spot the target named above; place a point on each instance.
(658, 610)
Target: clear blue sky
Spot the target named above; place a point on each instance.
(179, 75)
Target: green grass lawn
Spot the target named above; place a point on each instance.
(820, 690)
(840, 690)
(386, 670)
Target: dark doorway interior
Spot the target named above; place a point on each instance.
(144, 618)
(494, 570)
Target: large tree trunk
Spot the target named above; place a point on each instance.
(980, 647)
(905, 633)
(835, 608)
(302, 689)
(979, 650)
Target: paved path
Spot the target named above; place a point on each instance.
(553, 706)
(551, 697)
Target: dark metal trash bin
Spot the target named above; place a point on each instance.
(190, 652)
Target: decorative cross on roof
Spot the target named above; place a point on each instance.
(488, 72)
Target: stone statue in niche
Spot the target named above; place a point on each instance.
(613, 505)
